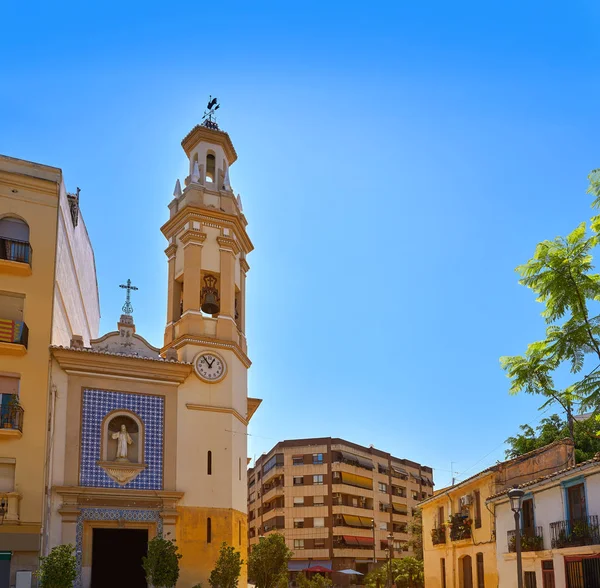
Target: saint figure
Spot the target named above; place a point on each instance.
(123, 440)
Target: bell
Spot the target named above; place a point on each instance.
(210, 304)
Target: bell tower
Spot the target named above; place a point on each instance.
(206, 305)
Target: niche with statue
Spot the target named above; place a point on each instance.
(122, 446)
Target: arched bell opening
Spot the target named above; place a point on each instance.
(210, 301)
(210, 167)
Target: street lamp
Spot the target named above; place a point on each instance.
(515, 496)
(390, 538)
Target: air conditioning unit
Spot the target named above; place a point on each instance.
(466, 500)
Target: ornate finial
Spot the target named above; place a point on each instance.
(177, 191)
(209, 120)
(127, 308)
(195, 177)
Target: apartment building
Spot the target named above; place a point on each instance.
(337, 503)
(48, 292)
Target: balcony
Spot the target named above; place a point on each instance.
(531, 540)
(575, 532)
(460, 527)
(14, 336)
(272, 492)
(11, 420)
(15, 257)
(438, 535)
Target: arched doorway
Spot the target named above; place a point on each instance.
(467, 572)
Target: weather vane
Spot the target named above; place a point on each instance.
(127, 308)
(209, 119)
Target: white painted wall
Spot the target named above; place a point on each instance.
(76, 302)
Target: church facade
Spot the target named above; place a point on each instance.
(150, 441)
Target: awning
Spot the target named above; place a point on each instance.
(318, 570)
(357, 459)
(365, 540)
(350, 572)
(400, 508)
(325, 563)
(350, 540)
(297, 565)
(355, 480)
(398, 470)
(354, 521)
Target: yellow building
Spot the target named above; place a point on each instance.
(153, 441)
(48, 291)
(459, 541)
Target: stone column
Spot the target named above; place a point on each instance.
(191, 319)
(226, 327)
(172, 315)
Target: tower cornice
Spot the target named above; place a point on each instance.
(202, 133)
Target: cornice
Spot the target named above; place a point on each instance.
(39, 185)
(193, 236)
(80, 495)
(244, 265)
(209, 342)
(229, 244)
(220, 409)
(200, 214)
(253, 404)
(200, 132)
(170, 250)
(119, 365)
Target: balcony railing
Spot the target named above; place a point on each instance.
(572, 533)
(531, 540)
(339, 502)
(13, 332)
(11, 417)
(438, 535)
(460, 527)
(15, 250)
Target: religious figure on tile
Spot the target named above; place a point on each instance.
(123, 440)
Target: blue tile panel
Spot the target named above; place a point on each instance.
(110, 514)
(150, 410)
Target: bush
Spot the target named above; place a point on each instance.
(227, 569)
(59, 568)
(268, 561)
(162, 563)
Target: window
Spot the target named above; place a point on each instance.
(209, 464)
(383, 487)
(480, 574)
(298, 523)
(415, 495)
(317, 458)
(576, 502)
(527, 518)
(240, 467)
(7, 474)
(208, 530)
(318, 500)
(318, 522)
(440, 516)
(14, 240)
(319, 543)
(210, 167)
(298, 480)
(443, 571)
(383, 526)
(384, 507)
(276, 460)
(297, 460)
(548, 574)
(9, 393)
(529, 580)
(298, 500)
(252, 497)
(318, 479)
(477, 510)
(298, 543)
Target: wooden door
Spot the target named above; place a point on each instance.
(576, 497)
(467, 572)
(528, 526)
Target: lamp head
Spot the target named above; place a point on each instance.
(515, 496)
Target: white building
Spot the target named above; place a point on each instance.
(561, 532)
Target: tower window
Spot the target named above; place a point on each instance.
(208, 530)
(210, 167)
(209, 464)
(240, 467)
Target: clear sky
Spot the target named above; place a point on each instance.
(397, 160)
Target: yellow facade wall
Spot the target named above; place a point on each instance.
(199, 556)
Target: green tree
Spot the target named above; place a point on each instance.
(415, 530)
(227, 569)
(162, 563)
(317, 581)
(561, 274)
(59, 568)
(378, 578)
(409, 573)
(552, 428)
(268, 561)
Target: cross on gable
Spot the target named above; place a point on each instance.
(127, 307)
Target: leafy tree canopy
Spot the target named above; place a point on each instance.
(561, 273)
(553, 428)
(317, 581)
(59, 568)
(415, 530)
(161, 564)
(406, 573)
(227, 569)
(268, 561)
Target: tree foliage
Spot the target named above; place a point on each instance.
(561, 273)
(406, 573)
(268, 561)
(415, 530)
(59, 568)
(161, 564)
(317, 581)
(227, 569)
(553, 428)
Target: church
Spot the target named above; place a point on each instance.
(148, 441)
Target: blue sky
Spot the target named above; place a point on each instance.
(396, 162)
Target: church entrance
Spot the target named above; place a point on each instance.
(117, 558)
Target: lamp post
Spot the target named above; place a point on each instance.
(390, 538)
(516, 500)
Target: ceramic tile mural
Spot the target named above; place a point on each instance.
(150, 409)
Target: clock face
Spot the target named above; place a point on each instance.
(210, 367)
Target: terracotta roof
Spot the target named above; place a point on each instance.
(129, 355)
(580, 466)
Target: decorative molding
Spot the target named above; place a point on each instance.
(12, 349)
(217, 137)
(170, 251)
(192, 236)
(253, 404)
(122, 472)
(220, 409)
(244, 265)
(228, 244)
(209, 342)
